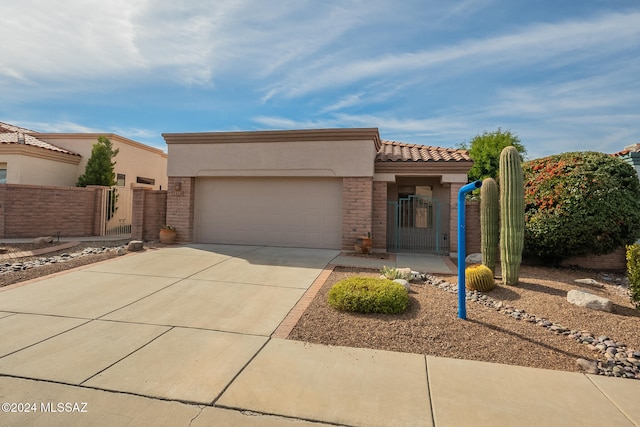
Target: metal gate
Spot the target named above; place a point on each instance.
(413, 225)
(117, 211)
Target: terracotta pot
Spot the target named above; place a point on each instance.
(168, 237)
(363, 245)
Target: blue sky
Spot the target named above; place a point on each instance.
(564, 75)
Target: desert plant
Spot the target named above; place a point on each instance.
(511, 215)
(393, 273)
(633, 273)
(479, 277)
(489, 222)
(580, 203)
(368, 295)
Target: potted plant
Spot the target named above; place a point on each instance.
(363, 244)
(167, 234)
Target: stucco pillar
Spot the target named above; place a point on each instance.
(180, 207)
(357, 209)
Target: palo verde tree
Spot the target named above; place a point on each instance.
(485, 149)
(100, 166)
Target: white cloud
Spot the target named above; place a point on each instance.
(550, 44)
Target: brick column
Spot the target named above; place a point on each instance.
(155, 213)
(137, 216)
(453, 219)
(180, 209)
(3, 199)
(357, 212)
(379, 227)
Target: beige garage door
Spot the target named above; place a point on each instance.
(294, 212)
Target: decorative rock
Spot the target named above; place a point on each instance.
(474, 258)
(135, 246)
(40, 241)
(121, 251)
(587, 300)
(590, 282)
(588, 366)
(404, 283)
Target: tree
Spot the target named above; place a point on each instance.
(485, 151)
(100, 166)
(582, 203)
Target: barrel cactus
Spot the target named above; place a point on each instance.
(511, 214)
(479, 277)
(489, 222)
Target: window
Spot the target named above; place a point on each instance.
(148, 181)
(120, 180)
(3, 173)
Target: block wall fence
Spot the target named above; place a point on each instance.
(35, 211)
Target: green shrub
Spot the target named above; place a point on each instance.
(633, 272)
(580, 203)
(392, 273)
(369, 295)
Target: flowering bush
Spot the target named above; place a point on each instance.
(580, 203)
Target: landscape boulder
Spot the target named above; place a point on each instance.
(404, 283)
(588, 300)
(474, 258)
(135, 246)
(589, 282)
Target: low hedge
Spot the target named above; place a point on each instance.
(369, 295)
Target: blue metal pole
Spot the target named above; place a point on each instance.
(462, 247)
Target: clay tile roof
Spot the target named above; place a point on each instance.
(10, 134)
(391, 151)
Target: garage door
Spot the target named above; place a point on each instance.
(294, 212)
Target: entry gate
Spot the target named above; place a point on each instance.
(117, 211)
(413, 225)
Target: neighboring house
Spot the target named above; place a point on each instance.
(58, 159)
(320, 188)
(631, 155)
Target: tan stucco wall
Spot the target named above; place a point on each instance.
(24, 169)
(290, 158)
(133, 159)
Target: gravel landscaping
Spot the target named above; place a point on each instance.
(28, 268)
(532, 324)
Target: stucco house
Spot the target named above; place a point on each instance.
(58, 159)
(318, 188)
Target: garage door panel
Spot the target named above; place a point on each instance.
(297, 212)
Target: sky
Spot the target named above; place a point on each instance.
(563, 75)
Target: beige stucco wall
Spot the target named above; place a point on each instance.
(25, 169)
(289, 158)
(133, 159)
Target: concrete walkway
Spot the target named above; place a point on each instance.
(184, 336)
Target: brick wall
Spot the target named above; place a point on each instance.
(357, 209)
(149, 213)
(473, 227)
(453, 219)
(379, 226)
(180, 207)
(613, 261)
(33, 211)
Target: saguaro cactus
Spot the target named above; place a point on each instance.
(511, 214)
(489, 222)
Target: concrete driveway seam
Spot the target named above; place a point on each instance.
(124, 357)
(49, 337)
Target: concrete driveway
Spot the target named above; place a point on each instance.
(183, 336)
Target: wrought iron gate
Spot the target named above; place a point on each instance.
(413, 225)
(117, 211)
